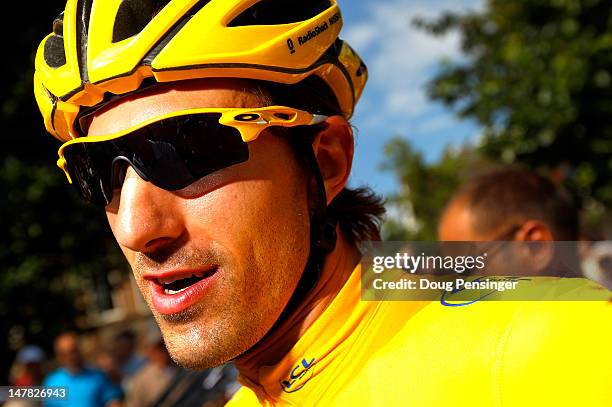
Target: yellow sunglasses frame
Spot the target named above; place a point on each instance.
(250, 122)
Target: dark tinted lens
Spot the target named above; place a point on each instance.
(176, 152)
(88, 166)
(171, 153)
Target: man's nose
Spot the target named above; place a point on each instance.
(148, 217)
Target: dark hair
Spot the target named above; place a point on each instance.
(359, 211)
(513, 194)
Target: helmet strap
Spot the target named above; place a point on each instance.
(322, 229)
(322, 225)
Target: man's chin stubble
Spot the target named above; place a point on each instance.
(184, 347)
(204, 350)
(185, 316)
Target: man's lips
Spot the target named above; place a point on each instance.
(174, 291)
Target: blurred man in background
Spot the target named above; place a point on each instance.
(105, 361)
(160, 370)
(128, 362)
(29, 359)
(509, 204)
(87, 387)
(27, 371)
(514, 204)
(161, 383)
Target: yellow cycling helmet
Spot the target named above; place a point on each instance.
(102, 48)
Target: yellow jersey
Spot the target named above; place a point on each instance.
(402, 353)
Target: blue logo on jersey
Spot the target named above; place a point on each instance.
(447, 296)
(298, 376)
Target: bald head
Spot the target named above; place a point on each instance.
(457, 223)
(495, 206)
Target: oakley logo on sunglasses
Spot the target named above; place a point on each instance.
(247, 117)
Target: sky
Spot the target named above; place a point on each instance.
(401, 60)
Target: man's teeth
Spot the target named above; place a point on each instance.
(168, 291)
(169, 280)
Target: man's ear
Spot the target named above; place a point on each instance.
(334, 147)
(534, 231)
(539, 250)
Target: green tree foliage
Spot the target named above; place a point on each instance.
(426, 188)
(50, 240)
(537, 74)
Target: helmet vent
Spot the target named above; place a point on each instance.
(55, 56)
(147, 60)
(273, 12)
(54, 52)
(133, 16)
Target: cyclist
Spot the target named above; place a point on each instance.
(216, 135)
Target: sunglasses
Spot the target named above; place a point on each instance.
(171, 151)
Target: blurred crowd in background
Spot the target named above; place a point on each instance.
(127, 369)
